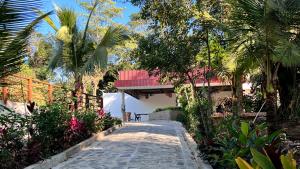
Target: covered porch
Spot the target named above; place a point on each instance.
(152, 94)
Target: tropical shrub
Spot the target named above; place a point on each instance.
(88, 119)
(253, 103)
(263, 161)
(25, 140)
(167, 108)
(13, 129)
(50, 124)
(106, 122)
(234, 138)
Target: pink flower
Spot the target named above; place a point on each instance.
(101, 112)
(74, 123)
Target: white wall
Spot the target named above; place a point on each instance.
(15, 106)
(112, 103)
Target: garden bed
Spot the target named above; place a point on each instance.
(25, 140)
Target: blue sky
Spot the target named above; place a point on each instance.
(48, 6)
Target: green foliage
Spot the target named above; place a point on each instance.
(253, 103)
(107, 83)
(50, 126)
(18, 23)
(27, 139)
(167, 108)
(235, 138)
(38, 59)
(173, 36)
(264, 35)
(195, 114)
(106, 122)
(261, 161)
(77, 53)
(88, 119)
(13, 129)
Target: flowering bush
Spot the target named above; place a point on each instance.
(27, 139)
(106, 122)
(101, 113)
(12, 138)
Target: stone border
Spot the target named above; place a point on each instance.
(65, 155)
(192, 145)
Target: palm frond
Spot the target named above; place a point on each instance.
(67, 17)
(99, 59)
(56, 60)
(87, 24)
(17, 21)
(48, 20)
(113, 36)
(287, 53)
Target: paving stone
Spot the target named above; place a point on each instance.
(148, 145)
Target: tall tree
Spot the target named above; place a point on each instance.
(268, 30)
(40, 52)
(76, 51)
(172, 46)
(170, 39)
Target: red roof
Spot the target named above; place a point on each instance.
(141, 78)
(132, 78)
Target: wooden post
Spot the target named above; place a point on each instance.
(29, 90)
(50, 90)
(123, 109)
(101, 102)
(4, 94)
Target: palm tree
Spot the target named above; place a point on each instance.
(261, 27)
(77, 52)
(17, 22)
(233, 69)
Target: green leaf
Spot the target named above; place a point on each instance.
(243, 139)
(47, 19)
(243, 164)
(245, 128)
(263, 161)
(287, 161)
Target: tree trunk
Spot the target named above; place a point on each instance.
(77, 94)
(288, 91)
(271, 103)
(237, 94)
(193, 86)
(209, 72)
(271, 107)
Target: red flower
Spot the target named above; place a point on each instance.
(74, 123)
(101, 112)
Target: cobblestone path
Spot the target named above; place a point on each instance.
(149, 145)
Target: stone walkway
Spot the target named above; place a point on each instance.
(149, 145)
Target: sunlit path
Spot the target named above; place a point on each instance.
(155, 145)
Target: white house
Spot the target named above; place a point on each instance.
(142, 93)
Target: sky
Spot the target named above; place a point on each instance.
(48, 6)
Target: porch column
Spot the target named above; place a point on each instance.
(123, 110)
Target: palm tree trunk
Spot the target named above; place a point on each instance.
(77, 94)
(271, 107)
(237, 94)
(271, 96)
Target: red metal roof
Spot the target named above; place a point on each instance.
(141, 78)
(132, 78)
